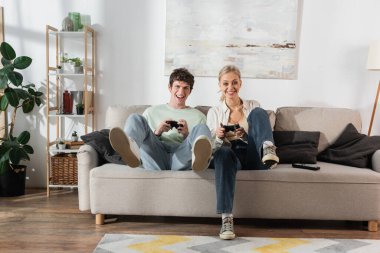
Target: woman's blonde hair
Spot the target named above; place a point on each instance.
(227, 69)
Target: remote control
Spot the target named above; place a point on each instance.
(306, 166)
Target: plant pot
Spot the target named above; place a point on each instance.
(12, 182)
(78, 70)
(61, 146)
(80, 111)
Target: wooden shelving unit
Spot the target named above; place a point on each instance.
(56, 84)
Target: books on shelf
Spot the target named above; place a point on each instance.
(74, 144)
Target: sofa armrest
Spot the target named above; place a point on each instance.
(87, 160)
(376, 161)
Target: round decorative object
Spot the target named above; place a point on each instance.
(67, 24)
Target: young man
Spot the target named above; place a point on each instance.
(170, 136)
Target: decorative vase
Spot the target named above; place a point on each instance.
(67, 24)
(67, 103)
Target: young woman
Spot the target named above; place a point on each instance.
(243, 139)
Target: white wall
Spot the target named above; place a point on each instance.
(335, 35)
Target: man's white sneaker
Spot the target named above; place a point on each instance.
(270, 157)
(227, 230)
(127, 148)
(201, 153)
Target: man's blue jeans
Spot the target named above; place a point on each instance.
(157, 155)
(226, 162)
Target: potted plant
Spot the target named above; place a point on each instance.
(80, 109)
(78, 68)
(14, 148)
(74, 136)
(61, 144)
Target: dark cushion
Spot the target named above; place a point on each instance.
(351, 148)
(296, 146)
(99, 140)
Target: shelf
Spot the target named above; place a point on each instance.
(69, 115)
(56, 150)
(63, 186)
(69, 75)
(69, 34)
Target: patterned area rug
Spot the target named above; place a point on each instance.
(196, 244)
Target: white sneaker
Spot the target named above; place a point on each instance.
(127, 148)
(227, 230)
(270, 157)
(201, 153)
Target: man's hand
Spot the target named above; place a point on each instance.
(162, 127)
(184, 130)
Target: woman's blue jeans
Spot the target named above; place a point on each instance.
(226, 163)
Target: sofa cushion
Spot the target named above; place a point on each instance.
(329, 173)
(329, 121)
(296, 146)
(116, 115)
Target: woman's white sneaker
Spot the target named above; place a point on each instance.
(227, 230)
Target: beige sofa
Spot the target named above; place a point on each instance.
(336, 192)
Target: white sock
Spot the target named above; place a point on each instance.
(224, 215)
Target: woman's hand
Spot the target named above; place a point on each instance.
(220, 132)
(240, 132)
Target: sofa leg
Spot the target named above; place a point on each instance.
(99, 219)
(373, 225)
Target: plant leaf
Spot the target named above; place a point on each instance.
(22, 62)
(5, 62)
(7, 51)
(15, 155)
(38, 101)
(3, 80)
(15, 77)
(5, 156)
(3, 103)
(38, 93)
(23, 138)
(28, 149)
(28, 105)
(22, 94)
(31, 91)
(11, 96)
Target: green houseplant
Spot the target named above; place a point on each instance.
(14, 148)
(80, 109)
(78, 68)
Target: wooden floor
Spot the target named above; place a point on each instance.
(35, 223)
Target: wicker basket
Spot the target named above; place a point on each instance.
(64, 169)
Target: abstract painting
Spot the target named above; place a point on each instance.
(258, 36)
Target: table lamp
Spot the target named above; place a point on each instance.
(373, 63)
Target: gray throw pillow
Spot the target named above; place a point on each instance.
(296, 146)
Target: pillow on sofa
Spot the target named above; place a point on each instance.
(351, 148)
(100, 141)
(296, 146)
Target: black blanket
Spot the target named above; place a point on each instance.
(100, 141)
(351, 148)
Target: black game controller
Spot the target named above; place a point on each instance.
(229, 128)
(173, 123)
